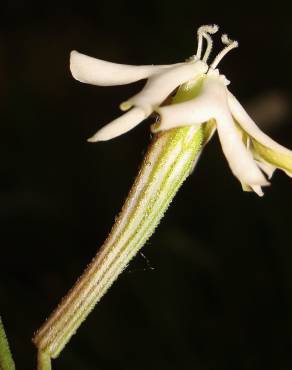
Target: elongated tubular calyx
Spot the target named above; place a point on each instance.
(168, 162)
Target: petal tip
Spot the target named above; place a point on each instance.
(75, 64)
(126, 105)
(100, 135)
(92, 139)
(73, 53)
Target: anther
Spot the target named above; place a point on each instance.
(230, 44)
(205, 31)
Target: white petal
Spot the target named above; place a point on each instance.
(197, 110)
(120, 125)
(257, 189)
(99, 72)
(239, 158)
(266, 167)
(212, 103)
(192, 112)
(162, 84)
(251, 128)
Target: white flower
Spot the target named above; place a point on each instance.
(250, 153)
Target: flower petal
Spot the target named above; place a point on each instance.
(268, 149)
(239, 158)
(160, 85)
(120, 125)
(99, 72)
(212, 103)
(251, 128)
(198, 109)
(192, 112)
(257, 189)
(209, 100)
(267, 168)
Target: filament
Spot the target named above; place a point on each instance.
(230, 44)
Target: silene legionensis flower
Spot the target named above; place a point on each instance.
(190, 100)
(251, 154)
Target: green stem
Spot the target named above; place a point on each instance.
(44, 361)
(168, 162)
(6, 360)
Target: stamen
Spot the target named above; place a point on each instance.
(230, 45)
(204, 31)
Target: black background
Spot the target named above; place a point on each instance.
(216, 291)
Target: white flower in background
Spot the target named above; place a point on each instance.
(251, 154)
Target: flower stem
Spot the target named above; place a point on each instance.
(6, 360)
(44, 361)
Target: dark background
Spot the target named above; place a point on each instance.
(216, 291)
